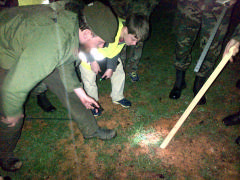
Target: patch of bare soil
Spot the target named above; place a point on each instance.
(187, 157)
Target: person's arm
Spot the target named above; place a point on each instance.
(85, 99)
(112, 63)
(71, 82)
(235, 41)
(111, 67)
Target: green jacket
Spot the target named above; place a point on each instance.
(35, 40)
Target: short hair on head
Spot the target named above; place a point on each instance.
(138, 25)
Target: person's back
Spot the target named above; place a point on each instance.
(24, 25)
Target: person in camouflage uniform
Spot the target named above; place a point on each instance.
(193, 18)
(131, 55)
(233, 119)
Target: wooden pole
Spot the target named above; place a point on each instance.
(199, 95)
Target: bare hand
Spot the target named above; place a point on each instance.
(95, 67)
(11, 121)
(230, 44)
(232, 2)
(108, 74)
(87, 101)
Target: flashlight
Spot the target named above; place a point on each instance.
(101, 79)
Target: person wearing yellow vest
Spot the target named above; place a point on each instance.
(130, 31)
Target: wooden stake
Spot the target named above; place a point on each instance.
(199, 95)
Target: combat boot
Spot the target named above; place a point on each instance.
(179, 85)
(233, 119)
(238, 140)
(103, 134)
(198, 83)
(44, 103)
(238, 84)
(11, 164)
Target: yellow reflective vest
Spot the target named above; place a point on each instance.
(113, 49)
(32, 2)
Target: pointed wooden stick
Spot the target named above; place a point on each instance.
(199, 95)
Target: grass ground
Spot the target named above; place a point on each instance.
(52, 147)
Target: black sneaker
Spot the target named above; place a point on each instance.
(103, 134)
(123, 102)
(11, 164)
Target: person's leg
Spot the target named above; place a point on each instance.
(187, 28)
(88, 78)
(82, 116)
(9, 137)
(89, 81)
(42, 100)
(118, 82)
(134, 54)
(209, 20)
(231, 120)
(238, 84)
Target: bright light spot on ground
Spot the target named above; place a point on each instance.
(145, 138)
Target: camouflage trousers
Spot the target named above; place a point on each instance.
(194, 19)
(130, 56)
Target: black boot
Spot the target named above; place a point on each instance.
(238, 140)
(9, 137)
(179, 85)
(233, 119)
(198, 83)
(44, 103)
(238, 84)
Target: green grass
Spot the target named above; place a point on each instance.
(43, 152)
